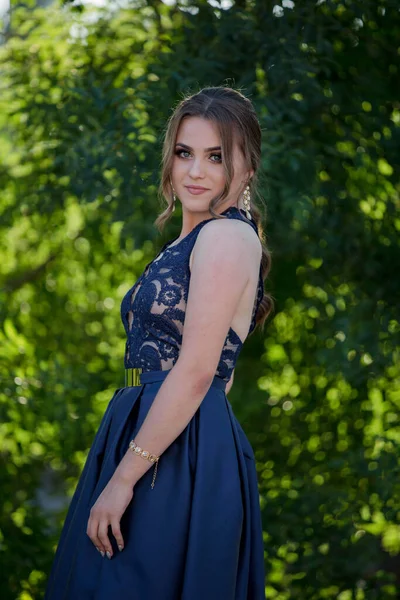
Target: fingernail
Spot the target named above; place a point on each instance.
(108, 554)
(102, 553)
(120, 548)
(97, 548)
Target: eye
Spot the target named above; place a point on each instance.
(179, 152)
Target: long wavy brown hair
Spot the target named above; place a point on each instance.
(235, 119)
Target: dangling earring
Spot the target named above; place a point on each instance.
(246, 201)
(173, 197)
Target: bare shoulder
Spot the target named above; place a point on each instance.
(229, 237)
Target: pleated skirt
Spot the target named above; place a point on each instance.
(197, 535)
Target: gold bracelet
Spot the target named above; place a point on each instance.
(145, 454)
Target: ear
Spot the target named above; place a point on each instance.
(250, 174)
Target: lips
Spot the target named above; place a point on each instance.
(196, 187)
(196, 190)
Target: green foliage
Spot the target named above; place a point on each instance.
(84, 99)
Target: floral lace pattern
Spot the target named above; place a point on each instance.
(153, 310)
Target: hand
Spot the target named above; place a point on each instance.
(108, 510)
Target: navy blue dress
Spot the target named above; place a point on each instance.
(197, 534)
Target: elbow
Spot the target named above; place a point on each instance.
(200, 377)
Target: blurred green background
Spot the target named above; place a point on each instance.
(85, 92)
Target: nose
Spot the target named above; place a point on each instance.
(196, 168)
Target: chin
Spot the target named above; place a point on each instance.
(191, 205)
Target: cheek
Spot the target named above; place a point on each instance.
(178, 167)
(217, 176)
(218, 172)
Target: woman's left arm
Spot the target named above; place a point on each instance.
(222, 261)
(230, 383)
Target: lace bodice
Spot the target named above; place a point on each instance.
(153, 310)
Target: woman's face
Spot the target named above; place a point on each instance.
(197, 162)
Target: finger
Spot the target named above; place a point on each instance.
(102, 534)
(91, 531)
(115, 526)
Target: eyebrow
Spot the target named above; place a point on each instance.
(205, 149)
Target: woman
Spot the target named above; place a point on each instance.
(167, 506)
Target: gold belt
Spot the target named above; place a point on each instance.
(132, 376)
